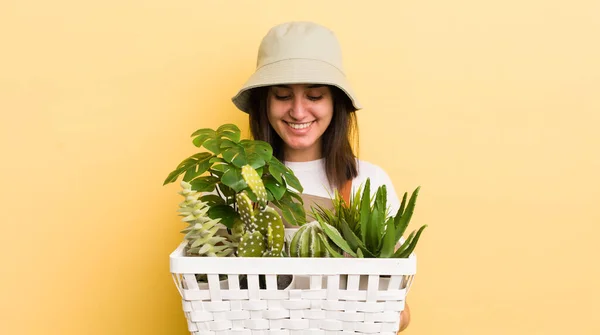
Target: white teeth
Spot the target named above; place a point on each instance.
(300, 125)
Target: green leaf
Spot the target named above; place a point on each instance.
(360, 254)
(329, 248)
(281, 172)
(292, 212)
(404, 220)
(204, 184)
(365, 209)
(235, 155)
(389, 240)
(276, 188)
(270, 196)
(212, 200)
(381, 198)
(229, 131)
(402, 204)
(257, 152)
(299, 214)
(352, 212)
(291, 196)
(226, 143)
(191, 173)
(224, 212)
(254, 160)
(372, 233)
(227, 192)
(379, 225)
(292, 180)
(404, 245)
(202, 135)
(262, 148)
(286, 213)
(251, 194)
(221, 167)
(277, 169)
(216, 159)
(213, 145)
(295, 209)
(233, 178)
(335, 236)
(412, 244)
(353, 240)
(200, 160)
(326, 214)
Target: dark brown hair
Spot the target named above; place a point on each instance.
(340, 160)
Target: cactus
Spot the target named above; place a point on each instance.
(255, 183)
(201, 233)
(237, 231)
(263, 228)
(306, 242)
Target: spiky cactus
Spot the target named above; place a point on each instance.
(201, 233)
(306, 242)
(263, 228)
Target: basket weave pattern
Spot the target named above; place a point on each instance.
(322, 299)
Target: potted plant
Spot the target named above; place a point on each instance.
(228, 189)
(369, 232)
(231, 190)
(360, 229)
(218, 173)
(201, 233)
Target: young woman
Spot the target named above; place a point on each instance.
(300, 102)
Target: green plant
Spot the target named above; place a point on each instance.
(218, 173)
(306, 242)
(263, 230)
(375, 234)
(201, 233)
(349, 212)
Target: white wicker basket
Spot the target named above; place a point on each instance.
(339, 295)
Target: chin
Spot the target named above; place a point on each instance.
(299, 147)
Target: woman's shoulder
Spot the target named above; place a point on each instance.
(370, 170)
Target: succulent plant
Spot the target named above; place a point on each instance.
(375, 234)
(306, 242)
(201, 233)
(262, 225)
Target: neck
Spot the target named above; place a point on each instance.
(305, 155)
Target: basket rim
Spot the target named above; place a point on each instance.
(181, 264)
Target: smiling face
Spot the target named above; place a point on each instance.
(300, 114)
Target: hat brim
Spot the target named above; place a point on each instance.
(294, 71)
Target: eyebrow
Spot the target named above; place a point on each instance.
(309, 86)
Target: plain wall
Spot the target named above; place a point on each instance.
(492, 107)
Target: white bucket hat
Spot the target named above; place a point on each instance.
(297, 53)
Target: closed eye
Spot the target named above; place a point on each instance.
(282, 97)
(315, 98)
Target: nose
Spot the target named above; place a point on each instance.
(298, 110)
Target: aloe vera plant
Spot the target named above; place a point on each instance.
(364, 229)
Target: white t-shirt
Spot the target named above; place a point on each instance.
(313, 179)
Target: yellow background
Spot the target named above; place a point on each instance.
(492, 107)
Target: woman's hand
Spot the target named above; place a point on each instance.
(404, 318)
